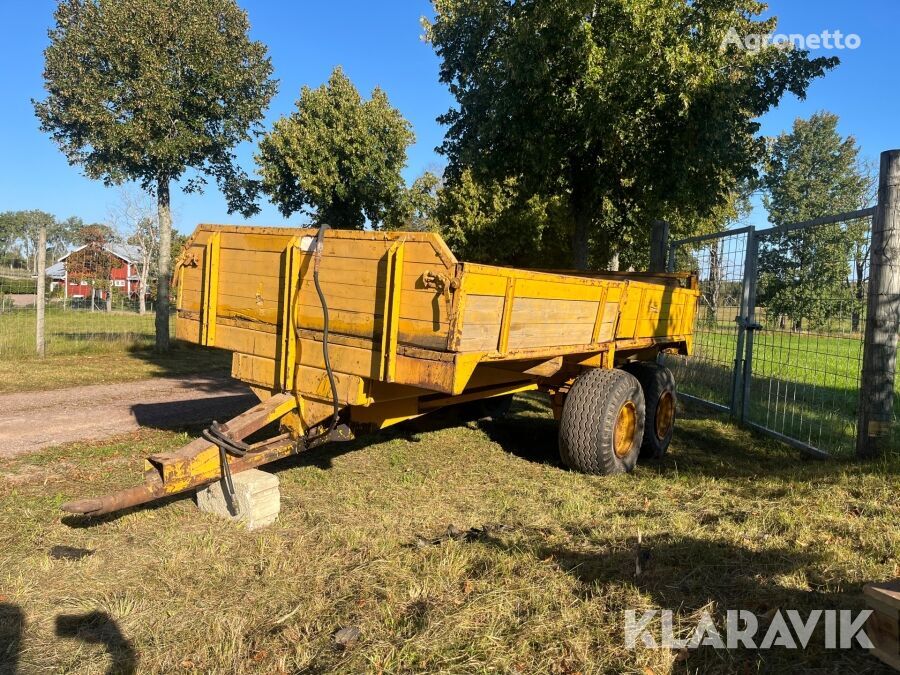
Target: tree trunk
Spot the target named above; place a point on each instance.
(164, 267)
(581, 232)
(613, 265)
(142, 286)
(109, 300)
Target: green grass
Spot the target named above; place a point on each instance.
(804, 385)
(85, 347)
(69, 332)
(729, 521)
(123, 364)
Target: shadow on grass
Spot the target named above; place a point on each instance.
(100, 628)
(12, 625)
(194, 414)
(690, 575)
(184, 359)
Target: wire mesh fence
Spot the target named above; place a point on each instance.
(93, 304)
(807, 352)
(719, 260)
(779, 338)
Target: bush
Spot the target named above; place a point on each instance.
(17, 285)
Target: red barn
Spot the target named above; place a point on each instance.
(125, 278)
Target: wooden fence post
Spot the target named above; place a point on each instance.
(876, 391)
(659, 246)
(41, 254)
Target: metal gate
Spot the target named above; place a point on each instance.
(778, 341)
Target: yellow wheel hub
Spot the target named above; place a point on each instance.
(665, 415)
(626, 425)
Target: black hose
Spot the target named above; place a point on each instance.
(320, 235)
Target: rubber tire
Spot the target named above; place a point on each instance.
(655, 380)
(588, 420)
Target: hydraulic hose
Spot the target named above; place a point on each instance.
(319, 245)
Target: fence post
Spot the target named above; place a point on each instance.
(659, 246)
(876, 391)
(41, 254)
(748, 285)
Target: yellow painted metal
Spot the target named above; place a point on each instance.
(665, 415)
(391, 312)
(625, 429)
(405, 314)
(287, 343)
(508, 298)
(210, 289)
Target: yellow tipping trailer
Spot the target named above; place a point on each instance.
(340, 330)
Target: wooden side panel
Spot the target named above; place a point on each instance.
(251, 285)
(481, 318)
(655, 311)
(542, 322)
(508, 310)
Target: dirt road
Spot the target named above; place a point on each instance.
(34, 420)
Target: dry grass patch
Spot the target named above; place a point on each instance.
(729, 522)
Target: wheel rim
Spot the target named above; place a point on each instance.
(665, 415)
(626, 425)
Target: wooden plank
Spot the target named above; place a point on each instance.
(572, 289)
(256, 370)
(883, 626)
(481, 323)
(554, 311)
(412, 305)
(525, 335)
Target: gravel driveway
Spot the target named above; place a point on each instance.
(34, 420)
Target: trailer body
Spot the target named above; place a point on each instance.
(410, 330)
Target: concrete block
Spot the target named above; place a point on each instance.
(256, 493)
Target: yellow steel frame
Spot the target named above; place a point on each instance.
(391, 312)
(210, 290)
(287, 342)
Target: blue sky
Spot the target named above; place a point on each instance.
(379, 43)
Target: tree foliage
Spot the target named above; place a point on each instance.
(337, 156)
(815, 273)
(415, 208)
(20, 230)
(493, 223)
(623, 110)
(145, 90)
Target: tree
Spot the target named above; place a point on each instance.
(21, 230)
(492, 223)
(625, 110)
(806, 274)
(133, 216)
(416, 206)
(93, 262)
(338, 155)
(146, 90)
